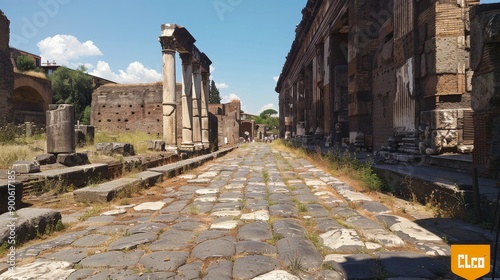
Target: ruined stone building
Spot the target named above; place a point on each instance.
(6, 73)
(383, 74)
(228, 120)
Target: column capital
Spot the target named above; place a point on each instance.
(196, 67)
(205, 76)
(186, 58)
(168, 44)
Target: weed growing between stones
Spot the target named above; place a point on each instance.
(94, 210)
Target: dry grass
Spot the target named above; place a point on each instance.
(20, 151)
(35, 74)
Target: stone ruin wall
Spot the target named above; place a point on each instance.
(485, 61)
(228, 116)
(6, 71)
(131, 108)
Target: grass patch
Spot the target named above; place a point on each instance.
(342, 165)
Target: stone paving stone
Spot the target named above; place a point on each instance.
(259, 215)
(114, 212)
(230, 197)
(256, 231)
(226, 213)
(249, 267)
(221, 247)
(219, 270)
(343, 240)
(317, 210)
(306, 198)
(326, 224)
(388, 239)
(283, 210)
(210, 234)
(255, 248)
(228, 206)
(116, 259)
(297, 250)
(175, 206)
(170, 240)
(164, 260)
(81, 274)
(72, 255)
(375, 207)
(362, 222)
(91, 240)
(43, 270)
(166, 218)
(345, 212)
(289, 228)
(281, 197)
(189, 226)
(206, 198)
(189, 271)
(150, 206)
(205, 191)
(154, 228)
(408, 230)
(358, 266)
(198, 207)
(224, 224)
(132, 241)
(277, 275)
(401, 264)
(62, 240)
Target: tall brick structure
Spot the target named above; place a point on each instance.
(6, 71)
(229, 121)
(485, 61)
(387, 74)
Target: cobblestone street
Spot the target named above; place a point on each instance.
(256, 213)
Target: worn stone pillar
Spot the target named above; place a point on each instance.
(187, 103)
(205, 90)
(197, 106)
(485, 61)
(169, 99)
(60, 128)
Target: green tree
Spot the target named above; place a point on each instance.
(25, 63)
(268, 118)
(72, 87)
(214, 95)
(86, 115)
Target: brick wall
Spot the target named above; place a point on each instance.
(6, 71)
(130, 108)
(229, 121)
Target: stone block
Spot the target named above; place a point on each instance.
(125, 149)
(156, 145)
(60, 127)
(439, 119)
(29, 222)
(444, 139)
(26, 166)
(73, 159)
(106, 191)
(6, 190)
(44, 159)
(77, 176)
(79, 138)
(88, 131)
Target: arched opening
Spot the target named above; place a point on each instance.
(29, 105)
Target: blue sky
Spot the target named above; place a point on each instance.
(247, 40)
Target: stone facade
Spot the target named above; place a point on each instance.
(6, 71)
(485, 61)
(364, 72)
(229, 121)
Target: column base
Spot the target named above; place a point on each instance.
(199, 146)
(188, 147)
(172, 149)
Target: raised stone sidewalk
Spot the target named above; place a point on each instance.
(256, 213)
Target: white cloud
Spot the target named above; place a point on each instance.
(221, 85)
(276, 78)
(231, 97)
(212, 69)
(265, 107)
(66, 48)
(135, 73)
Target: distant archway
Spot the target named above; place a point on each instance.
(31, 98)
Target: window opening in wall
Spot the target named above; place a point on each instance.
(119, 106)
(119, 120)
(103, 106)
(157, 120)
(126, 120)
(130, 106)
(133, 113)
(109, 120)
(99, 120)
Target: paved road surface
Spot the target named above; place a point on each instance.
(256, 213)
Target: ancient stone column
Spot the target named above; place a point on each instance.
(205, 90)
(197, 106)
(187, 103)
(169, 99)
(60, 128)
